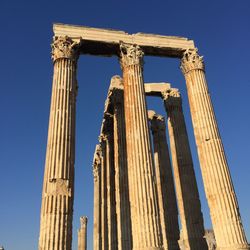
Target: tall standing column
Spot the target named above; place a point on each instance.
(97, 199)
(124, 237)
(82, 234)
(143, 203)
(104, 221)
(222, 201)
(58, 186)
(186, 185)
(111, 208)
(165, 183)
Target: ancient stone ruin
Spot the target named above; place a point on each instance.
(138, 191)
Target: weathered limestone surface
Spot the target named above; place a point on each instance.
(143, 202)
(165, 183)
(82, 234)
(124, 237)
(185, 181)
(222, 201)
(58, 186)
(107, 41)
(97, 242)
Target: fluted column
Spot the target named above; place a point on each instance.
(222, 201)
(97, 199)
(82, 234)
(165, 183)
(58, 186)
(186, 185)
(111, 207)
(124, 237)
(143, 202)
(104, 221)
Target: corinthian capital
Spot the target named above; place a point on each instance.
(83, 221)
(191, 60)
(172, 98)
(157, 121)
(97, 162)
(130, 54)
(65, 47)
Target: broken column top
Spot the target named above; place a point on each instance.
(106, 42)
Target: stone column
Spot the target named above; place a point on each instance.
(111, 207)
(165, 183)
(97, 199)
(82, 234)
(104, 221)
(185, 181)
(124, 237)
(58, 186)
(143, 202)
(222, 201)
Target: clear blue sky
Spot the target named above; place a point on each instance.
(220, 30)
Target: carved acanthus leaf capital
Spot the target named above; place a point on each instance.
(172, 98)
(131, 54)
(171, 93)
(191, 60)
(65, 47)
(83, 221)
(97, 162)
(157, 121)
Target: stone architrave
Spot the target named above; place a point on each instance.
(124, 237)
(58, 185)
(165, 183)
(82, 233)
(222, 201)
(97, 243)
(185, 181)
(143, 201)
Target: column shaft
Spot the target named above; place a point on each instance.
(104, 222)
(222, 201)
(165, 184)
(124, 237)
(82, 234)
(97, 199)
(143, 202)
(58, 186)
(111, 207)
(186, 185)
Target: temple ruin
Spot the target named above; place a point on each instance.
(138, 190)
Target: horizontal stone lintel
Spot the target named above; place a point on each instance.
(156, 89)
(105, 42)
